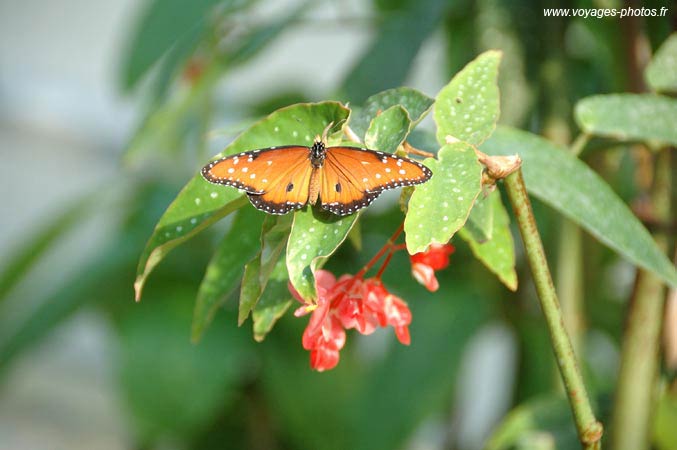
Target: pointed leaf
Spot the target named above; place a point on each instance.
(250, 290)
(497, 253)
(644, 117)
(273, 302)
(439, 207)
(414, 102)
(468, 107)
(200, 203)
(224, 271)
(661, 74)
(564, 182)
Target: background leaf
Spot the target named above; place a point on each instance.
(468, 107)
(388, 131)
(439, 207)
(628, 117)
(572, 188)
(661, 73)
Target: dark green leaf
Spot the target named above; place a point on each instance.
(225, 268)
(565, 183)
(273, 302)
(388, 130)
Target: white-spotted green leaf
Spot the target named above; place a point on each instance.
(439, 207)
(468, 107)
(250, 289)
(200, 203)
(388, 130)
(316, 234)
(643, 117)
(565, 183)
(414, 102)
(661, 74)
(273, 302)
(480, 222)
(497, 253)
(224, 270)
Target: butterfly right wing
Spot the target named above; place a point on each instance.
(275, 179)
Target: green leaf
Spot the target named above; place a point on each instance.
(250, 290)
(565, 183)
(199, 204)
(480, 224)
(316, 234)
(661, 74)
(468, 107)
(497, 253)
(273, 302)
(627, 117)
(274, 237)
(387, 61)
(388, 130)
(224, 271)
(439, 207)
(165, 25)
(414, 102)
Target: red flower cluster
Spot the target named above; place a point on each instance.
(424, 264)
(349, 302)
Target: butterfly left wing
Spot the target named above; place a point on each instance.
(275, 179)
(354, 177)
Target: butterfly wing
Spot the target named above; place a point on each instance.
(353, 177)
(275, 179)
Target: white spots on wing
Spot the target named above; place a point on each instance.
(402, 171)
(387, 169)
(378, 175)
(269, 162)
(245, 169)
(384, 160)
(214, 194)
(236, 160)
(231, 170)
(365, 162)
(265, 180)
(365, 179)
(399, 163)
(252, 176)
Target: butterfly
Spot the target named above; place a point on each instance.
(343, 179)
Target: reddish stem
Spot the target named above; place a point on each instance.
(386, 262)
(388, 246)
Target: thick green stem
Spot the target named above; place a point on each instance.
(570, 280)
(634, 404)
(589, 429)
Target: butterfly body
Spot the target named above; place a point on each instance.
(341, 179)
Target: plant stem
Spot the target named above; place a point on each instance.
(570, 280)
(634, 403)
(589, 429)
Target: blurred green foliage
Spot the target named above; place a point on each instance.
(229, 389)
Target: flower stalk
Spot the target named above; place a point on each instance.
(589, 429)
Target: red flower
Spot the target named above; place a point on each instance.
(424, 264)
(350, 302)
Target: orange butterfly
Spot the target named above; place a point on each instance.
(344, 179)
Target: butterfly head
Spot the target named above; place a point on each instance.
(317, 154)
